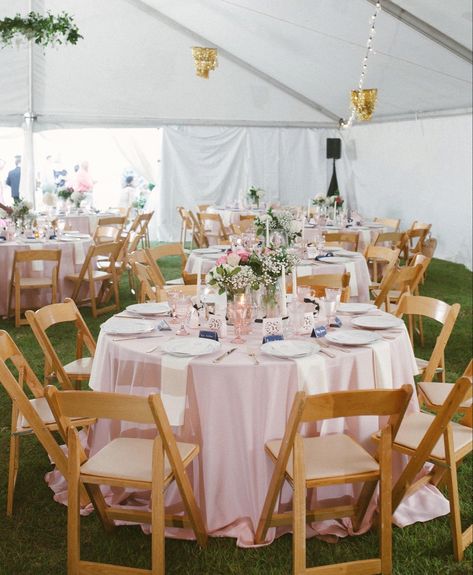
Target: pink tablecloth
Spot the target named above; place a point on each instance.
(366, 234)
(72, 258)
(232, 409)
(356, 265)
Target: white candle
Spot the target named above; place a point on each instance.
(199, 278)
(294, 283)
(283, 292)
(308, 209)
(267, 231)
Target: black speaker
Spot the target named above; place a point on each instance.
(334, 148)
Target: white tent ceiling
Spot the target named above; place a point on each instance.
(289, 63)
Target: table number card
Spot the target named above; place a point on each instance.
(272, 326)
(218, 324)
(267, 338)
(308, 322)
(319, 331)
(208, 334)
(337, 322)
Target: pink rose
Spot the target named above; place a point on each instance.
(222, 260)
(244, 256)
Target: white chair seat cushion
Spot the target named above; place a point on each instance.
(105, 264)
(130, 458)
(423, 363)
(175, 282)
(437, 392)
(40, 282)
(415, 425)
(97, 275)
(41, 406)
(82, 366)
(330, 456)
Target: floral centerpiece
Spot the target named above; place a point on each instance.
(65, 193)
(282, 221)
(77, 197)
(232, 274)
(49, 199)
(320, 200)
(335, 202)
(254, 195)
(21, 212)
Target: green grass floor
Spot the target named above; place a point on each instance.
(33, 542)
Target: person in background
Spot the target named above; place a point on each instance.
(13, 179)
(83, 182)
(128, 193)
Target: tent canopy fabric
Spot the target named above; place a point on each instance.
(280, 63)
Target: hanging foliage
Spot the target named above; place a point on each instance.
(43, 30)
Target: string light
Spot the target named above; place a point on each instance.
(364, 67)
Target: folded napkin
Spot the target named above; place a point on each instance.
(311, 374)
(174, 386)
(382, 365)
(327, 255)
(79, 254)
(38, 265)
(350, 267)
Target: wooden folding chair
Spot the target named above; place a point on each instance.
(435, 439)
(392, 223)
(434, 394)
(397, 282)
(198, 231)
(115, 221)
(107, 276)
(343, 239)
(70, 374)
(319, 282)
(140, 226)
(394, 240)
(187, 225)
(142, 464)
(334, 459)
(213, 226)
(417, 235)
(28, 416)
(105, 234)
(147, 290)
(383, 256)
(445, 314)
(22, 279)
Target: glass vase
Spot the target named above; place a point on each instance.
(272, 300)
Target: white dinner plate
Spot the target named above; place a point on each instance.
(355, 308)
(207, 251)
(333, 260)
(352, 337)
(123, 326)
(150, 308)
(191, 346)
(76, 235)
(347, 254)
(287, 348)
(377, 321)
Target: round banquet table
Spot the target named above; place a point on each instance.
(231, 409)
(355, 264)
(232, 215)
(72, 257)
(366, 233)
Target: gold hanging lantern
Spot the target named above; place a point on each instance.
(364, 102)
(205, 59)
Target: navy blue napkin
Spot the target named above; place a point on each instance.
(327, 255)
(267, 338)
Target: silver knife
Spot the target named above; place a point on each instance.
(220, 357)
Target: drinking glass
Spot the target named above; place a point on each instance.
(173, 297)
(330, 308)
(238, 313)
(183, 305)
(61, 224)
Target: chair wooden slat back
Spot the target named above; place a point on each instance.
(386, 257)
(105, 234)
(147, 289)
(392, 223)
(22, 280)
(140, 226)
(54, 314)
(404, 280)
(199, 236)
(319, 282)
(342, 239)
(213, 225)
(414, 305)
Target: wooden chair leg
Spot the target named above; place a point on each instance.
(14, 459)
(73, 505)
(157, 510)
(17, 305)
(453, 497)
(385, 507)
(193, 512)
(299, 510)
(364, 499)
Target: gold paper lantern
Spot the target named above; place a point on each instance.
(205, 59)
(364, 102)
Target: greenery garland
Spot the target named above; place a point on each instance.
(43, 30)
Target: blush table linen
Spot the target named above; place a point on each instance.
(72, 258)
(232, 409)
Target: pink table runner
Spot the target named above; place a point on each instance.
(232, 409)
